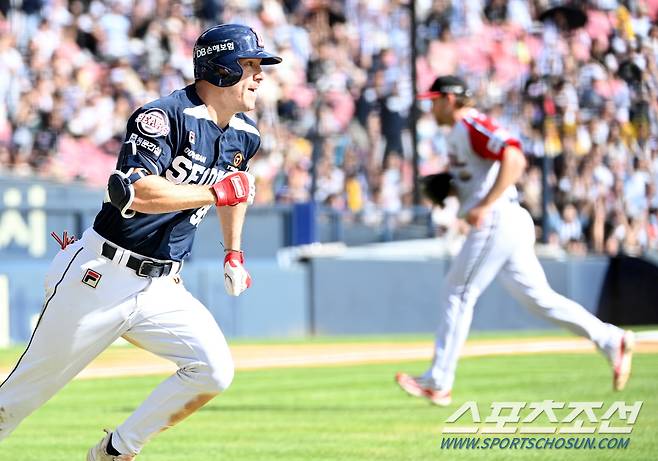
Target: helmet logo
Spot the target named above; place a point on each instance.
(153, 123)
(259, 40)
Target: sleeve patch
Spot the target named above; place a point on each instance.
(153, 123)
(145, 143)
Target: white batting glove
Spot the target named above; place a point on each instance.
(236, 277)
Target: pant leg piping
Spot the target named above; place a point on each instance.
(41, 316)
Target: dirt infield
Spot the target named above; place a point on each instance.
(131, 361)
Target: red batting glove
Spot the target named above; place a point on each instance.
(234, 188)
(236, 277)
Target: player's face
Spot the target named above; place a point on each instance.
(246, 88)
(443, 109)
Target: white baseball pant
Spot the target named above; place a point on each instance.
(78, 322)
(504, 246)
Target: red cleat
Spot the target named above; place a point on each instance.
(623, 361)
(420, 387)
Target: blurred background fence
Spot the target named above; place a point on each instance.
(362, 288)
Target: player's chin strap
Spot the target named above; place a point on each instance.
(121, 192)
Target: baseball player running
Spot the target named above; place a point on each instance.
(486, 162)
(183, 153)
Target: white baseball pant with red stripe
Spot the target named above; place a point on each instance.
(504, 246)
(80, 320)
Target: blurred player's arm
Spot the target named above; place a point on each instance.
(512, 166)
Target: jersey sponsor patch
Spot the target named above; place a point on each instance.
(194, 156)
(91, 278)
(192, 137)
(153, 123)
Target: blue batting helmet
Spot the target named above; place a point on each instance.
(217, 52)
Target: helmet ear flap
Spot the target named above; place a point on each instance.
(224, 72)
(227, 76)
(218, 74)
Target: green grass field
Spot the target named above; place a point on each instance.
(353, 413)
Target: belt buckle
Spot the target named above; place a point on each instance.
(146, 269)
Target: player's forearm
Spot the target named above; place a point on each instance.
(232, 219)
(511, 168)
(154, 194)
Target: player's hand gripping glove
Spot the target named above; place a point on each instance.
(236, 277)
(234, 188)
(437, 187)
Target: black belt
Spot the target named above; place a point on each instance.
(143, 267)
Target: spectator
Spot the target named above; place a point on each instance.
(72, 72)
(568, 225)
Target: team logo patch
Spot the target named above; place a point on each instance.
(237, 160)
(91, 278)
(192, 137)
(153, 122)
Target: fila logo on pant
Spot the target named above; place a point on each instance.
(91, 278)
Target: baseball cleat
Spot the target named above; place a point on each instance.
(623, 359)
(439, 397)
(420, 387)
(99, 451)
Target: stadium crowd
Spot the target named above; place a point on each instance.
(582, 101)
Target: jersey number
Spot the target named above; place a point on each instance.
(198, 215)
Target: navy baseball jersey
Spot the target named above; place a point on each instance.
(174, 137)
